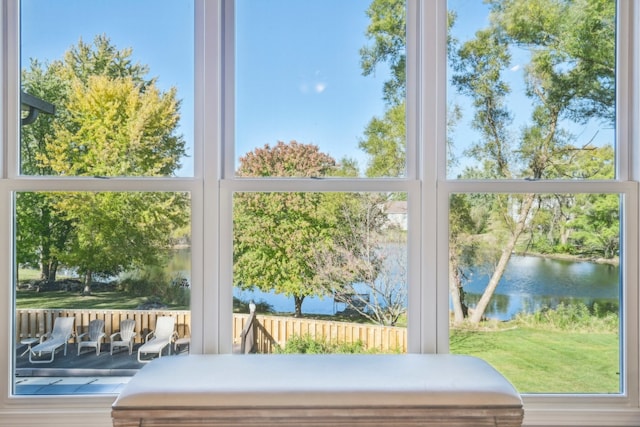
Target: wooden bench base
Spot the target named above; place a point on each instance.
(304, 390)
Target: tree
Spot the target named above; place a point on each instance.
(278, 236)
(110, 121)
(570, 77)
(384, 137)
(40, 233)
(367, 263)
(460, 226)
(387, 29)
(384, 142)
(116, 231)
(563, 80)
(116, 129)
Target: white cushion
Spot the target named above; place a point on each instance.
(212, 381)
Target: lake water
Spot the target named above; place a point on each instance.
(528, 284)
(531, 283)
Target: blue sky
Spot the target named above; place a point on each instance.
(298, 74)
(299, 78)
(160, 32)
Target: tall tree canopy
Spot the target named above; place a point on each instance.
(570, 77)
(286, 242)
(276, 235)
(111, 120)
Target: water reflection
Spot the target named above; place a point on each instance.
(531, 283)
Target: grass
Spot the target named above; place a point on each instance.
(98, 300)
(547, 361)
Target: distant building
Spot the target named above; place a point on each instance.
(397, 214)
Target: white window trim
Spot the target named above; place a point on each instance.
(211, 191)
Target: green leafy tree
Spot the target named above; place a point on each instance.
(117, 129)
(596, 229)
(384, 137)
(116, 231)
(563, 80)
(278, 236)
(387, 31)
(461, 225)
(40, 233)
(570, 76)
(384, 142)
(304, 244)
(110, 121)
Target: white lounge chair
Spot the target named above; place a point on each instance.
(157, 340)
(183, 342)
(51, 341)
(127, 334)
(94, 336)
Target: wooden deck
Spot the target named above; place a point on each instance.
(87, 363)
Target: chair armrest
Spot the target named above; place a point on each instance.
(112, 336)
(149, 335)
(45, 337)
(79, 337)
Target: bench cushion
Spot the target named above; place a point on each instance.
(306, 381)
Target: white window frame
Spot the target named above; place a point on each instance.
(212, 187)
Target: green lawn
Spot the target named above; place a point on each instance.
(543, 361)
(99, 300)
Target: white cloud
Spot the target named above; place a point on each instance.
(515, 67)
(320, 87)
(313, 83)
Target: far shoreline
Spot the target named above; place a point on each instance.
(575, 258)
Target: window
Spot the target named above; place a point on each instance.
(529, 101)
(542, 302)
(449, 195)
(100, 99)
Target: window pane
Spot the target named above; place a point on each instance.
(532, 89)
(327, 272)
(535, 288)
(96, 259)
(314, 72)
(107, 88)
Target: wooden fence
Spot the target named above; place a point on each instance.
(33, 323)
(276, 330)
(269, 330)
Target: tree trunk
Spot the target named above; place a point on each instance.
(480, 308)
(454, 287)
(53, 270)
(45, 245)
(44, 270)
(87, 283)
(298, 301)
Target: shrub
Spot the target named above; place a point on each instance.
(571, 317)
(308, 345)
(242, 306)
(156, 284)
